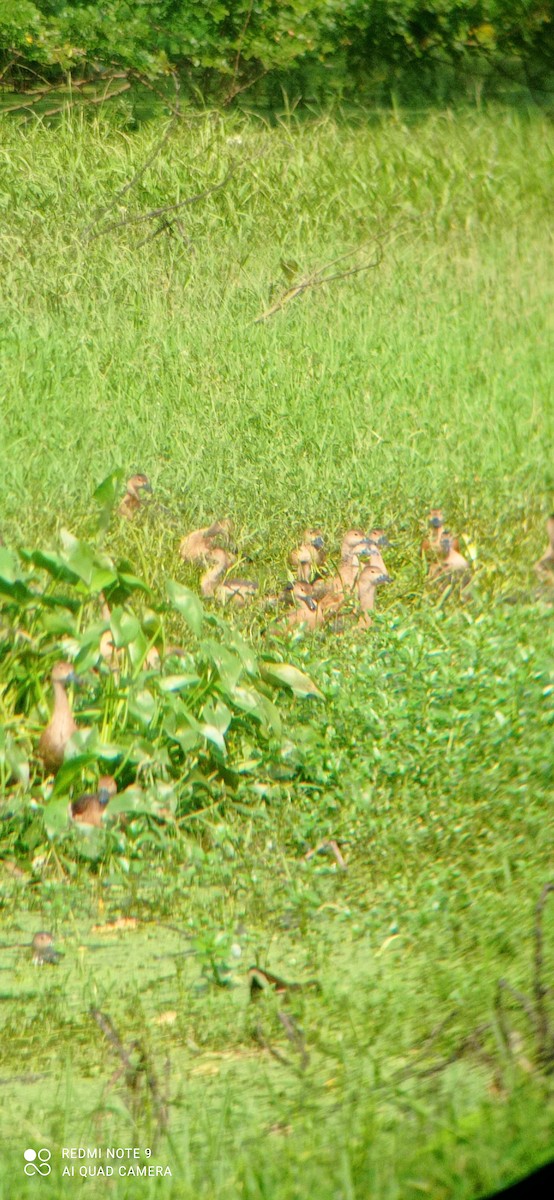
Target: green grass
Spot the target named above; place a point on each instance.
(427, 380)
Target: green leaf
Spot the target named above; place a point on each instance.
(285, 675)
(125, 627)
(187, 604)
(177, 683)
(55, 817)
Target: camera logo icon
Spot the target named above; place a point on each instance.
(37, 1162)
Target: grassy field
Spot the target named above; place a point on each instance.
(424, 380)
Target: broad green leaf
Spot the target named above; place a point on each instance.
(213, 735)
(228, 664)
(125, 627)
(187, 604)
(217, 715)
(51, 562)
(285, 675)
(55, 816)
(143, 707)
(177, 683)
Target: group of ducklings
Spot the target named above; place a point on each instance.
(317, 598)
(312, 598)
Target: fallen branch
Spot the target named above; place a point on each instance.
(100, 213)
(166, 208)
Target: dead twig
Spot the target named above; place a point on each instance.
(101, 213)
(135, 1073)
(166, 208)
(296, 1037)
(545, 1035)
(262, 1041)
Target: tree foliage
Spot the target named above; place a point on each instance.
(226, 46)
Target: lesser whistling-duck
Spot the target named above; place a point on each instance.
(196, 547)
(132, 500)
(90, 808)
(54, 739)
(371, 577)
(235, 591)
(545, 566)
(42, 946)
(452, 561)
(311, 553)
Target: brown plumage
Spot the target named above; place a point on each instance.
(310, 554)
(235, 591)
(370, 579)
(197, 547)
(54, 739)
(132, 499)
(42, 946)
(380, 538)
(90, 808)
(452, 561)
(545, 566)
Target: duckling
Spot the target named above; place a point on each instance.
(370, 579)
(306, 611)
(545, 566)
(236, 591)
(54, 739)
(132, 499)
(452, 561)
(355, 546)
(196, 547)
(380, 538)
(42, 946)
(310, 554)
(431, 546)
(90, 808)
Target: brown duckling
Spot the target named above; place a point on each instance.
(90, 808)
(355, 547)
(371, 577)
(306, 610)
(197, 547)
(452, 561)
(311, 553)
(236, 591)
(380, 538)
(132, 499)
(42, 946)
(545, 566)
(54, 739)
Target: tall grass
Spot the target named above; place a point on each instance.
(426, 380)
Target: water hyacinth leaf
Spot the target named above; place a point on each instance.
(216, 739)
(132, 800)
(70, 771)
(59, 622)
(185, 737)
(177, 683)
(285, 675)
(131, 583)
(95, 570)
(14, 758)
(228, 664)
(218, 715)
(142, 707)
(137, 650)
(124, 626)
(53, 563)
(92, 841)
(55, 817)
(187, 604)
(9, 566)
(245, 653)
(106, 495)
(16, 590)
